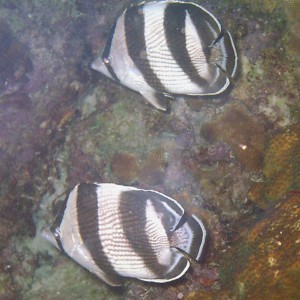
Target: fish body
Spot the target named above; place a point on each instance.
(166, 48)
(117, 231)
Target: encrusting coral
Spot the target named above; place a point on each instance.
(266, 264)
(281, 168)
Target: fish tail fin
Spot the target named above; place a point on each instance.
(224, 54)
(189, 236)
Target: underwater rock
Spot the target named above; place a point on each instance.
(242, 132)
(292, 10)
(224, 189)
(14, 62)
(281, 168)
(18, 139)
(8, 290)
(216, 152)
(6, 230)
(270, 75)
(285, 13)
(266, 264)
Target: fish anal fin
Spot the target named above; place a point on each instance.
(158, 100)
(219, 80)
(111, 280)
(175, 270)
(82, 256)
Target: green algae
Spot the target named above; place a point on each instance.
(7, 289)
(277, 105)
(122, 128)
(67, 281)
(228, 268)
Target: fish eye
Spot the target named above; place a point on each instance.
(107, 60)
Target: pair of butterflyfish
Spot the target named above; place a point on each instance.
(118, 231)
(160, 49)
(164, 49)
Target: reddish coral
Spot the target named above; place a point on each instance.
(242, 131)
(124, 167)
(207, 295)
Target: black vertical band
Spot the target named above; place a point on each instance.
(87, 217)
(135, 40)
(175, 32)
(133, 214)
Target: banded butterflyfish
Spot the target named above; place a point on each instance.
(166, 48)
(118, 231)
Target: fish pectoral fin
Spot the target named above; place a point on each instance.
(158, 100)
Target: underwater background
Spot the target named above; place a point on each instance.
(232, 160)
